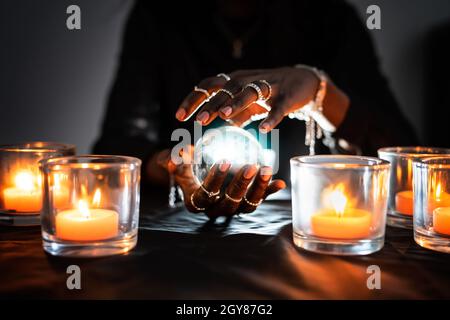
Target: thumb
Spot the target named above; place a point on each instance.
(183, 170)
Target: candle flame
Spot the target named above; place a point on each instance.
(84, 209)
(338, 200)
(438, 191)
(24, 180)
(97, 197)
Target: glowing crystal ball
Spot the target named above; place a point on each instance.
(233, 144)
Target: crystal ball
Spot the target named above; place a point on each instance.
(233, 144)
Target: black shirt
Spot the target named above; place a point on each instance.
(169, 48)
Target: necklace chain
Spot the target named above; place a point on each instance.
(237, 42)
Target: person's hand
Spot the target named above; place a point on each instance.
(290, 89)
(248, 188)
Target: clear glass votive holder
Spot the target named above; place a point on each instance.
(401, 197)
(432, 203)
(101, 214)
(339, 203)
(21, 182)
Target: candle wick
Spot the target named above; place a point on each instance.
(82, 206)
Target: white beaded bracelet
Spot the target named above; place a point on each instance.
(311, 113)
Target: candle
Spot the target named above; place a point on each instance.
(439, 199)
(404, 202)
(441, 220)
(87, 224)
(26, 196)
(339, 220)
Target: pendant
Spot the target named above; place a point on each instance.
(237, 49)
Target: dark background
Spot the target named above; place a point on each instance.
(54, 82)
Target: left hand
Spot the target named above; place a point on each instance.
(291, 87)
(250, 185)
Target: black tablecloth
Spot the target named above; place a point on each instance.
(182, 256)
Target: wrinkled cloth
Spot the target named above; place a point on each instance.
(181, 255)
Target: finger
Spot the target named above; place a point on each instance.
(257, 190)
(195, 99)
(279, 104)
(210, 109)
(236, 190)
(245, 98)
(274, 186)
(244, 117)
(183, 171)
(163, 158)
(207, 194)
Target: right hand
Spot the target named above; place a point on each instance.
(238, 188)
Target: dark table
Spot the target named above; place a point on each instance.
(181, 256)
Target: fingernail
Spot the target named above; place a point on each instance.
(226, 111)
(266, 173)
(180, 114)
(203, 117)
(249, 172)
(224, 166)
(264, 128)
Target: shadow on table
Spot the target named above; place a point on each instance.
(184, 256)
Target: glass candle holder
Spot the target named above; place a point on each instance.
(401, 200)
(100, 212)
(432, 203)
(339, 203)
(20, 180)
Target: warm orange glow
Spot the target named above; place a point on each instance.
(86, 223)
(83, 191)
(439, 198)
(56, 181)
(338, 200)
(25, 180)
(25, 196)
(438, 192)
(441, 220)
(399, 174)
(84, 209)
(97, 197)
(61, 193)
(339, 219)
(404, 202)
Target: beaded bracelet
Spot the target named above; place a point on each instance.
(317, 125)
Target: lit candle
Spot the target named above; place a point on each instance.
(26, 196)
(340, 221)
(439, 204)
(441, 220)
(87, 224)
(404, 202)
(439, 199)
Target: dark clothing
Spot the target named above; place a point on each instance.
(437, 85)
(169, 49)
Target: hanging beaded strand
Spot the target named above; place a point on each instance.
(312, 114)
